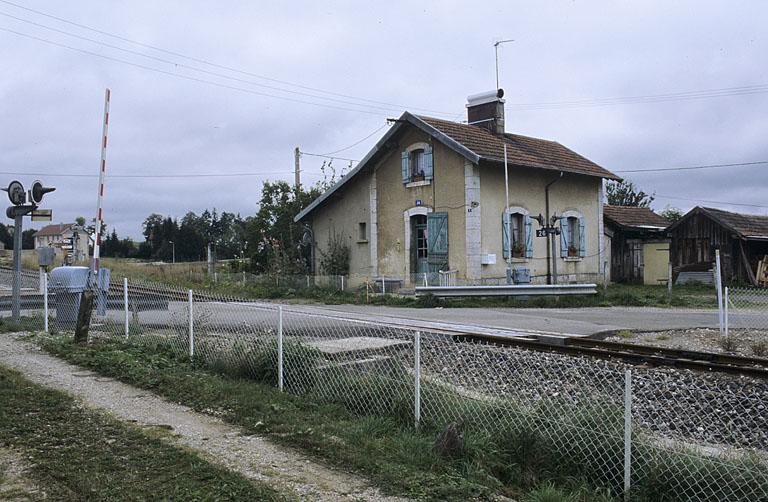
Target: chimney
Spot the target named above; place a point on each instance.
(487, 110)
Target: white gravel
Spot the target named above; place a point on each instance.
(253, 456)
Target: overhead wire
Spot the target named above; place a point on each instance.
(213, 64)
(691, 168)
(357, 142)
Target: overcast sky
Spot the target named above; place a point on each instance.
(366, 64)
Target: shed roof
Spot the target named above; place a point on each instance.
(745, 225)
(634, 217)
(477, 144)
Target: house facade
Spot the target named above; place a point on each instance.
(59, 236)
(636, 244)
(430, 197)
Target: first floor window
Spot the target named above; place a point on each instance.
(572, 241)
(518, 226)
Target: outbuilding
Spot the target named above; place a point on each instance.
(638, 248)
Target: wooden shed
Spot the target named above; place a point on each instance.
(741, 238)
(639, 247)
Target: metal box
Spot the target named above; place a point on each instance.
(521, 275)
(45, 256)
(67, 284)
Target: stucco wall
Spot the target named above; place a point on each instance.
(346, 209)
(444, 193)
(571, 193)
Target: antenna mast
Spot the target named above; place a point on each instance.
(496, 49)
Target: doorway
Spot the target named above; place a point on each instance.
(419, 245)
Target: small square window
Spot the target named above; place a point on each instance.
(362, 233)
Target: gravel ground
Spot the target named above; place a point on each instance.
(250, 455)
(746, 342)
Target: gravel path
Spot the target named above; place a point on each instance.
(253, 456)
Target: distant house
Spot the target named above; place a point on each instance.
(59, 235)
(741, 238)
(430, 197)
(637, 243)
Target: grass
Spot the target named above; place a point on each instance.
(364, 422)
(79, 454)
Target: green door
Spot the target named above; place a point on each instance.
(437, 241)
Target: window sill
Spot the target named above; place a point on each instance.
(573, 258)
(363, 241)
(517, 260)
(414, 184)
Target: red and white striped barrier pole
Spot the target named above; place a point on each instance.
(102, 172)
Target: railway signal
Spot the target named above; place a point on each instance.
(24, 203)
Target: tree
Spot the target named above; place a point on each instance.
(624, 193)
(672, 214)
(273, 237)
(335, 259)
(6, 237)
(28, 239)
(80, 220)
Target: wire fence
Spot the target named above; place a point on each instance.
(644, 433)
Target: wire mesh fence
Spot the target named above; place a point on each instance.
(747, 309)
(653, 434)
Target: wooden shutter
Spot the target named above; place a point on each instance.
(564, 238)
(528, 236)
(505, 224)
(428, 169)
(406, 171)
(582, 243)
(437, 241)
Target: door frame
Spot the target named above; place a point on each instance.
(407, 214)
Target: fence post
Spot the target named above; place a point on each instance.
(342, 283)
(426, 283)
(45, 302)
(417, 378)
(669, 281)
(280, 348)
(719, 286)
(627, 432)
(191, 328)
(725, 308)
(125, 306)
(383, 287)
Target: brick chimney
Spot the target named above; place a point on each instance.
(487, 110)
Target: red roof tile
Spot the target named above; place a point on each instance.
(633, 217)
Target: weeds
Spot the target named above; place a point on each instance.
(728, 343)
(759, 349)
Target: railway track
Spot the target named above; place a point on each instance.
(639, 354)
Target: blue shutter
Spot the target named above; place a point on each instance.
(505, 234)
(437, 241)
(582, 243)
(406, 171)
(428, 163)
(528, 236)
(564, 238)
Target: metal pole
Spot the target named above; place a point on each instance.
(342, 283)
(669, 281)
(191, 328)
(125, 306)
(297, 167)
(719, 286)
(627, 432)
(102, 172)
(16, 288)
(509, 217)
(280, 348)
(725, 308)
(383, 287)
(417, 378)
(45, 302)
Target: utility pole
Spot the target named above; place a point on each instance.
(297, 167)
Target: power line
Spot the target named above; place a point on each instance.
(358, 142)
(185, 77)
(328, 156)
(210, 63)
(143, 176)
(691, 168)
(193, 68)
(721, 202)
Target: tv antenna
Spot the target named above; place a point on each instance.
(496, 49)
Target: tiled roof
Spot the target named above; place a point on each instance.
(633, 217)
(521, 150)
(55, 229)
(748, 225)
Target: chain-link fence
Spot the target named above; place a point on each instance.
(649, 433)
(746, 310)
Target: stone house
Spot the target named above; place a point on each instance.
(59, 235)
(430, 196)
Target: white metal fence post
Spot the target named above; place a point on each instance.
(191, 328)
(417, 378)
(627, 432)
(725, 308)
(719, 286)
(280, 348)
(342, 283)
(45, 302)
(383, 287)
(125, 306)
